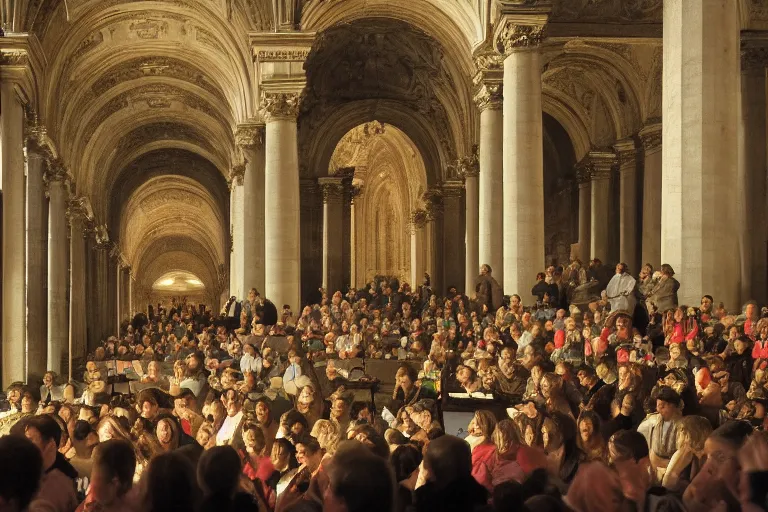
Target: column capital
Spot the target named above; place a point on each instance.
(419, 218)
(452, 188)
(280, 105)
(520, 26)
(489, 95)
(79, 207)
(626, 153)
(597, 165)
(236, 176)
(332, 188)
(651, 137)
(488, 79)
(433, 202)
(469, 166)
(21, 61)
(250, 136)
(754, 51)
(56, 171)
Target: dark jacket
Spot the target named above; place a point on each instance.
(464, 495)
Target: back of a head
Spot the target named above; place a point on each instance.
(629, 444)
(21, 466)
(116, 459)
(48, 427)
(732, 433)
(405, 460)
(448, 459)
(218, 471)
(170, 485)
(360, 480)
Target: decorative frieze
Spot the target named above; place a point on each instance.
(597, 165)
(513, 37)
(626, 152)
(280, 105)
(333, 190)
(250, 136)
(283, 55)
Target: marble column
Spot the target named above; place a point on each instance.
(14, 239)
(281, 200)
(490, 213)
(237, 232)
(584, 178)
(519, 35)
(628, 235)
(58, 247)
(470, 171)
(417, 226)
(700, 207)
(333, 218)
(752, 167)
(355, 192)
(37, 265)
(601, 167)
(250, 139)
(78, 302)
(453, 257)
(125, 293)
(651, 250)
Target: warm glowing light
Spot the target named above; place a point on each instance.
(167, 282)
(195, 282)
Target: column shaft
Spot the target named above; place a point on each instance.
(652, 163)
(700, 105)
(491, 192)
(14, 275)
(282, 221)
(237, 222)
(77, 295)
(37, 265)
(585, 218)
(58, 328)
(253, 216)
(600, 202)
(628, 235)
(472, 205)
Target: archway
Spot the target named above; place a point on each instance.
(389, 181)
(178, 284)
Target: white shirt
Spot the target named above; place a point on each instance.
(620, 292)
(248, 363)
(227, 430)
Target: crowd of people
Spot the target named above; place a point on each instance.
(603, 395)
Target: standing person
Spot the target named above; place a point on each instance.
(621, 290)
(57, 488)
(663, 295)
(489, 292)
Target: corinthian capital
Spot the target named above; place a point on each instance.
(513, 37)
(250, 136)
(236, 175)
(56, 172)
(279, 105)
(521, 25)
(489, 95)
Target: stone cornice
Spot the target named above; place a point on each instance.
(520, 26)
(280, 105)
(22, 61)
(332, 189)
(626, 152)
(651, 137)
(250, 136)
(452, 188)
(599, 164)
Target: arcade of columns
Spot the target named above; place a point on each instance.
(696, 203)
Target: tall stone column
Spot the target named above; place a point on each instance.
(752, 167)
(78, 277)
(37, 264)
(58, 247)
(453, 257)
(651, 139)
(355, 192)
(489, 100)
(125, 292)
(250, 139)
(601, 166)
(519, 33)
(435, 262)
(14, 285)
(237, 231)
(281, 200)
(469, 170)
(333, 218)
(628, 235)
(584, 177)
(417, 226)
(700, 157)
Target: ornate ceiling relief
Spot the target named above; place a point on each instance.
(612, 11)
(381, 59)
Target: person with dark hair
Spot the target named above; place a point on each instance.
(57, 488)
(359, 481)
(169, 485)
(309, 455)
(718, 479)
(218, 474)
(21, 465)
(406, 460)
(660, 429)
(629, 455)
(111, 490)
(445, 481)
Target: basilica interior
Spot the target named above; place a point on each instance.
(200, 148)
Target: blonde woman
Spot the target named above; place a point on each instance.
(327, 434)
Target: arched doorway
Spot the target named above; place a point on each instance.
(389, 180)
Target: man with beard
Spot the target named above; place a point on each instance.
(510, 376)
(229, 430)
(488, 290)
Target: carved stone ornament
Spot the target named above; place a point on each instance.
(600, 164)
(514, 36)
(469, 166)
(419, 218)
(286, 55)
(626, 153)
(236, 175)
(56, 172)
(79, 208)
(489, 95)
(18, 58)
(280, 105)
(250, 136)
(651, 137)
(332, 191)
